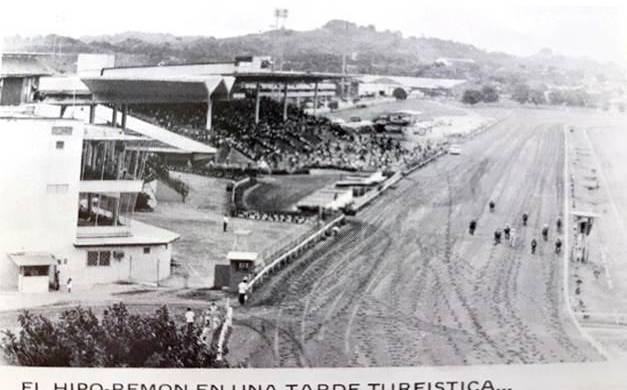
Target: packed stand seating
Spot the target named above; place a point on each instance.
(273, 217)
(301, 142)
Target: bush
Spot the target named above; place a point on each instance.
(120, 339)
(490, 95)
(472, 96)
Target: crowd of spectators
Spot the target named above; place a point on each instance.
(273, 217)
(300, 142)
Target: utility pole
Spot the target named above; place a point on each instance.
(343, 80)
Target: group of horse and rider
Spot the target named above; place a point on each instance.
(508, 233)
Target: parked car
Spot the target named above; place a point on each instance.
(455, 149)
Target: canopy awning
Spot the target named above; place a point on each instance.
(25, 259)
(126, 90)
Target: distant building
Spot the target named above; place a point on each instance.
(378, 85)
(443, 61)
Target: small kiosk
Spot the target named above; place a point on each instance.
(35, 271)
(242, 260)
(242, 264)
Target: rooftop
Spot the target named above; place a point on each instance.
(141, 234)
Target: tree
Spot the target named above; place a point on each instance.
(119, 339)
(490, 94)
(536, 97)
(521, 93)
(472, 96)
(400, 93)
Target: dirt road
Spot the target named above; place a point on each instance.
(407, 285)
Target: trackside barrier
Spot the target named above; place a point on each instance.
(592, 318)
(236, 185)
(372, 194)
(285, 258)
(423, 163)
(224, 331)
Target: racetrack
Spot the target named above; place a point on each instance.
(407, 285)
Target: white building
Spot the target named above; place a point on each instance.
(68, 193)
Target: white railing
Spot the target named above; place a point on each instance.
(285, 256)
(226, 326)
(610, 318)
(234, 189)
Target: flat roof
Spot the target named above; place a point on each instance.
(31, 259)
(239, 255)
(142, 234)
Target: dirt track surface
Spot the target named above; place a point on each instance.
(406, 284)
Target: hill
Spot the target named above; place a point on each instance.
(367, 49)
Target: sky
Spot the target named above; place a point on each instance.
(523, 28)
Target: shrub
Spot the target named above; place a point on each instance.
(120, 339)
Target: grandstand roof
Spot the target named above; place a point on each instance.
(63, 85)
(180, 89)
(277, 77)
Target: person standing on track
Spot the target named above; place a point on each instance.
(512, 238)
(497, 237)
(225, 223)
(492, 206)
(558, 224)
(545, 232)
(524, 219)
(507, 230)
(242, 289)
(558, 246)
(472, 226)
(534, 244)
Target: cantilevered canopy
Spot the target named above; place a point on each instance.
(286, 77)
(126, 90)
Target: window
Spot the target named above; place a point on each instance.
(92, 259)
(147, 250)
(60, 145)
(105, 258)
(98, 258)
(61, 130)
(57, 188)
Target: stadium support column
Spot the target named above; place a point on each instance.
(92, 113)
(114, 116)
(124, 115)
(257, 101)
(315, 102)
(285, 102)
(209, 115)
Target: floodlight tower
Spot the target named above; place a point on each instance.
(280, 14)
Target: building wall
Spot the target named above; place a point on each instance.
(38, 188)
(134, 266)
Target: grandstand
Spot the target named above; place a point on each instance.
(231, 113)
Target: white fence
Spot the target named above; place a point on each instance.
(285, 258)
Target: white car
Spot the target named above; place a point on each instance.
(455, 149)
